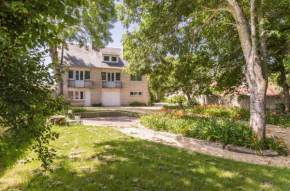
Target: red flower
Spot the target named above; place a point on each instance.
(254, 139)
(269, 131)
(280, 140)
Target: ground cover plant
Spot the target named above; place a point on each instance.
(100, 158)
(219, 130)
(136, 103)
(272, 117)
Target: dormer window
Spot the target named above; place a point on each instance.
(114, 59)
(108, 58)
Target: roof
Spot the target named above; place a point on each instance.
(74, 55)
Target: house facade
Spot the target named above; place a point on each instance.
(97, 77)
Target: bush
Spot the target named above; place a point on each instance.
(273, 118)
(194, 102)
(97, 105)
(178, 99)
(279, 106)
(222, 131)
(136, 103)
(78, 110)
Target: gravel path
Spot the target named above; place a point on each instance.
(132, 127)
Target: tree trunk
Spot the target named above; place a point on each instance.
(256, 68)
(189, 99)
(57, 69)
(285, 89)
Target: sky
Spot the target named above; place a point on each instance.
(117, 32)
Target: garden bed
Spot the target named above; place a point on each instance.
(227, 132)
(272, 117)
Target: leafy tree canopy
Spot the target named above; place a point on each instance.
(26, 85)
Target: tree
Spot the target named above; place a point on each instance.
(187, 73)
(278, 38)
(26, 84)
(165, 22)
(90, 25)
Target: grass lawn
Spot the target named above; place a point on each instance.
(99, 158)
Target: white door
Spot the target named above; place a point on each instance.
(111, 98)
(79, 79)
(87, 98)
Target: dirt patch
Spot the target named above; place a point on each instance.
(132, 127)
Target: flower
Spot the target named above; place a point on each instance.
(280, 140)
(254, 139)
(269, 131)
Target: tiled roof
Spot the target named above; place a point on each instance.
(74, 55)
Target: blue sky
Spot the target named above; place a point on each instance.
(117, 32)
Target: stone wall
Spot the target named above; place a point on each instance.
(234, 100)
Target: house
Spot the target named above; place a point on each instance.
(96, 76)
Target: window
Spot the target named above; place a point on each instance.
(87, 75)
(136, 93)
(114, 59)
(76, 95)
(118, 76)
(136, 78)
(107, 58)
(70, 95)
(79, 95)
(71, 74)
(103, 75)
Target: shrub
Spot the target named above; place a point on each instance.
(279, 106)
(194, 102)
(78, 110)
(222, 131)
(178, 99)
(165, 100)
(97, 105)
(136, 103)
(273, 118)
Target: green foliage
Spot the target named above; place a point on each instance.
(27, 28)
(194, 102)
(97, 105)
(272, 117)
(280, 106)
(222, 131)
(180, 99)
(136, 103)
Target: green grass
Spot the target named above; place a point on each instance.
(110, 160)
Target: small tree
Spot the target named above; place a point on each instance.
(178, 99)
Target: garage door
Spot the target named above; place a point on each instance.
(111, 98)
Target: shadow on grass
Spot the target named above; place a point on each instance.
(130, 164)
(14, 150)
